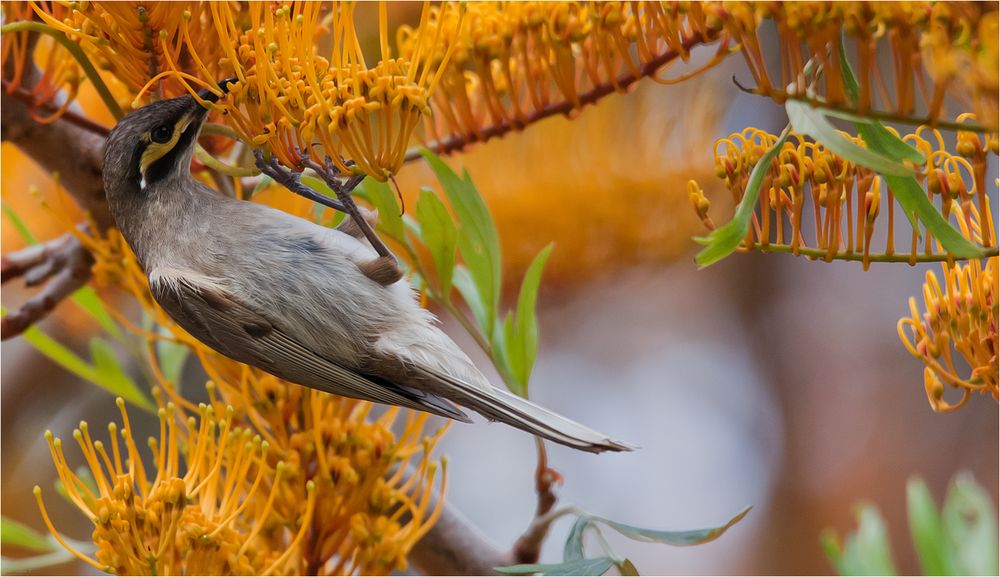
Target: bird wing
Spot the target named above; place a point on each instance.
(220, 320)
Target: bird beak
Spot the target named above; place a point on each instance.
(223, 86)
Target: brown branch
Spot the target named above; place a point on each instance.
(76, 154)
(459, 142)
(63, 262)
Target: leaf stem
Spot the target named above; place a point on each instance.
(818, 253)
(77, 53)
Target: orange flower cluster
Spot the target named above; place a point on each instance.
(809, 187)
(954, 43)
(136, 42)
(959, 320)
(290, 97)
(516, 62)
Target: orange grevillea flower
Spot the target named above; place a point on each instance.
(290, 95)
(136, 42)
(959, 321)
(514, 62)
(820, 205)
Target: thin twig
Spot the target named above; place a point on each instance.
(63, 262)
(818, 253)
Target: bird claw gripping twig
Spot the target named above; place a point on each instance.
(384, 269)
(63, 262)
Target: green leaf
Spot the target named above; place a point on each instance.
(112, 377)
(626, 568)
(383, 198)
(500, 342)
(598, 566)
(970, 522)
(678, 538)
(87, 299)
(891, 145)
(15, 219)
(810, 121)
(439, 235)
(926, 530)
(15, 533)
(171, 357)
(11, 566)
(830, 544)
(262, 184)
(478, 240)
(724, 240)
(866, 551)
(526, 320)
(911, 196)
(573, 550)
(467, 288)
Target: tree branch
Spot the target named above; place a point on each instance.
(63, 262)
(75, 152)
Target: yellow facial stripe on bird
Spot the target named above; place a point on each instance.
(157, 150)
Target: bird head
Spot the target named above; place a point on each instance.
(153, 146)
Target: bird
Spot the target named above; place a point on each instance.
(288, 296)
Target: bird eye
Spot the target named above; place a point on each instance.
(162, 133)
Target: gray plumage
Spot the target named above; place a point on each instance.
(280, 293)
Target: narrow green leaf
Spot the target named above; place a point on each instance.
(724, 240)
(598, 566)
(171, 357)
(970, 522)
(573, 550)
(500, 339)
(891, 145)
(262, 184)
(866, 551)
(911, 196)
(478, 240)
(467, 288)
(383, 198)
(627, 568)
(15, 533)
(87, 299)
(112, 377)
(439, 235)
(926, 530)
(830, 544)
(526, 319)
(677, 538)
(11, 566)
(15, 219)
(810, 121)
(59, 354)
